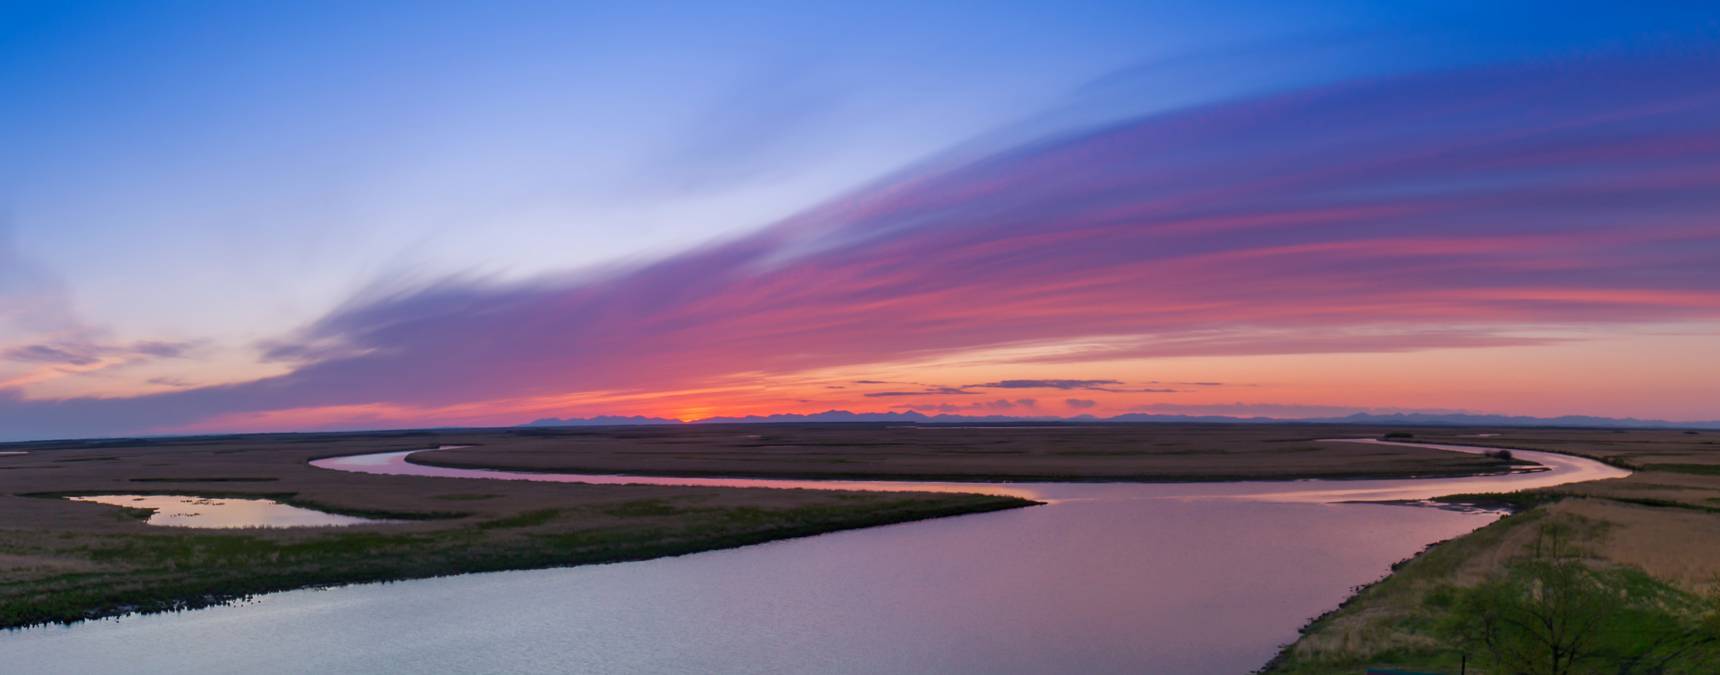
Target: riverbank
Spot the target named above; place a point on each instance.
(1153, 453)
(1645, 549)
(64, 561)
(1107, 563)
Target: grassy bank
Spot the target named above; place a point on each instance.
(1113, 452)
(105, 575)
(1616, 576)
(63, 561)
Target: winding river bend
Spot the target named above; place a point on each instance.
(1108, 577)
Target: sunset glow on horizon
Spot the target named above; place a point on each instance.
(1243, 221)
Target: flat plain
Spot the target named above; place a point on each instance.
(62, 560)
(1066, 452)
(1657, 529)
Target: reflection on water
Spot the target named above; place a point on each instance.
(7, 453)
(1108, 578)
(1554, 469)
(224, 512)
(395, 464)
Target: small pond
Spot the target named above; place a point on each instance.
(225, 512)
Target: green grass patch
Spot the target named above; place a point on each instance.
(1521, 500)
(527, 519)
(1553, 608)
(170, 570)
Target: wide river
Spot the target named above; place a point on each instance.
(1106, 578)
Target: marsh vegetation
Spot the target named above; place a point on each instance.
(63, 560)
(1614, 576)
(1095, 452)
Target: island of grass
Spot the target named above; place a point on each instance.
(1058, 452)
(62, 560)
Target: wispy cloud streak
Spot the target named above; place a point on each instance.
(1488, 198)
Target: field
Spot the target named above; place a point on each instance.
(1158, 452)
(1648, 546)
(63, 561)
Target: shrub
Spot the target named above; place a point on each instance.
(1553, 612)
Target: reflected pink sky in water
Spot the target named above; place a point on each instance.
(1556, 469)
(1163, 578)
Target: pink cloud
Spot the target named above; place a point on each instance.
(1370, 216)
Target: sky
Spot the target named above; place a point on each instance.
(320, 215)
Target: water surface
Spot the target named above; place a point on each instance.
(225, 512)
(1107, 578)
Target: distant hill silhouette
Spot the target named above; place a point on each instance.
(1374, 419)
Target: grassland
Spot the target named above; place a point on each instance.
(1158, 453)
(63, 561)
(1649, 547)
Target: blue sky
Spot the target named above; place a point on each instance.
(278, 156)
(219, 176)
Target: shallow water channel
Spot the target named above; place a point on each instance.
(224, 512)
(1106, 578)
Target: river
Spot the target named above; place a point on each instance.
(1107, 577)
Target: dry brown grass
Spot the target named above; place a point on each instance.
(1156, 452)
(1664, 522)
(1676, 545)
(63, 560)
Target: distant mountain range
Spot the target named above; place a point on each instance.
(1374, 419)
